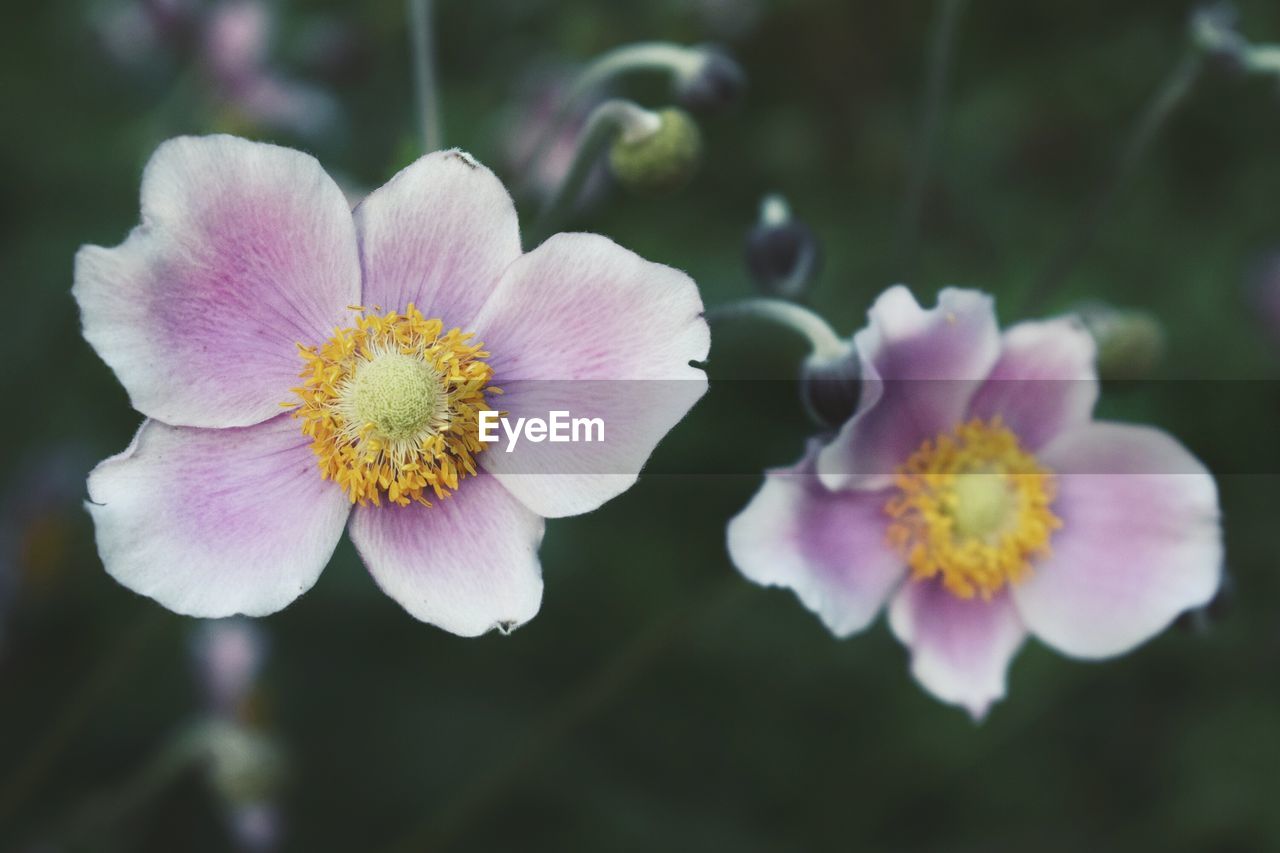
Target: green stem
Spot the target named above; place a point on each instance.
(128, 796)
(1154, 116)
(606, 122)
(426, 87)
(826, 344)
(940, 52)
(603, 70)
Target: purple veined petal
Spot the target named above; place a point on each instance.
(828, 547)
(467, 564)
(1140, 541)
(919, 369)
(960, 648)
(216, 522)
(584, 326)
(1044, 382)
(245, 249)
(438, 234)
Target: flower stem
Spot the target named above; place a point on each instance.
(127, 796)
(592, 695)
(940, 52)
(426, 87)
(603, 70)
(1154, 116)
(822, 338)
(606, 122)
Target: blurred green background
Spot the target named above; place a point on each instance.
(659, 701)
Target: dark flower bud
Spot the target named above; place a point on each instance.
(712, 84)
(659, 161)
(829, 388)
(1214, 33)
(783, 254)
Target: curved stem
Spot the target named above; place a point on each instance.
(822, 338)
(426, 88)
(940, 52)
(1153, 118)
(606, 122)
(604, 69)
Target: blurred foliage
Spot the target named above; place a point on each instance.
(658, 701)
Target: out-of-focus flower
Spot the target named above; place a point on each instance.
(244, 764)
(974, 492)
(243, 274)
(228, 655)
(229, 41)
(236, 38)
(38, 513)
(541, 143)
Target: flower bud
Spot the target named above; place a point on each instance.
(714, 83)
(1131, 343)
(228, 655)
(660, 161)
(829, 388)
(1213, 32)
(783, 254)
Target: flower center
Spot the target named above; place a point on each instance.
(397, 395)
(391, 405)
(973, 508)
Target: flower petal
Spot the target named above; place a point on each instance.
(215, 522)
(467, 564)
(960, 648)
(244, 250)
(828, 547)
(438, 234)
(919, 370)
(1140, 541)
(584, 326)
(1044, 383)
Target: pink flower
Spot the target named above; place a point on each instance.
(973, 492)
(241, 277)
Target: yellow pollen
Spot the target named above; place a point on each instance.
(391, 405)
(973, 508)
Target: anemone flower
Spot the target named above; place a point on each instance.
(246, 274)
(974, 494)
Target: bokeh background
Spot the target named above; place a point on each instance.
(659, 701)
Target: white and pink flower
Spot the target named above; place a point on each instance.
(973, 493)
(243, 276)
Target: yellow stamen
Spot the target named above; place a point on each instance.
(391, 406)
(973, 508)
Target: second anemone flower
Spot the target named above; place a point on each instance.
(974, 494)
(241, 291)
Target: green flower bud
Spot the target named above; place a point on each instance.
(660, 161)
(1131, 343)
